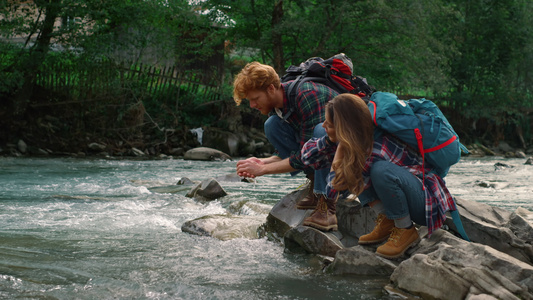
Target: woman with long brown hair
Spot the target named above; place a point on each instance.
(381, 170)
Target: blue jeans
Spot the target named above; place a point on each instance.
(400, 192)
(286, 140)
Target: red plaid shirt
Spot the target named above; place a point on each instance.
(309, 111)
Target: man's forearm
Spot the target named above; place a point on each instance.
(277, 167)
(271, 159)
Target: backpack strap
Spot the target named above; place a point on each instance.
(292, 90)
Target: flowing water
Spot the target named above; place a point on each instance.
(92, 229)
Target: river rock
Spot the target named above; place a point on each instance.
(526, 214)
(209, 189)
(529, 161)
(311, 240)
(505, 147)
(185, 181)
(515, 154)
(501, 166)
(284, 215)
(485, 184)
(503, 230)
(491, 184)
(205, 153)
(353, 219)
(227, 142)
(497, 264)
(520, 154)
(225, 227)
(249, 208)
(38, 151)
(137, 152)
(22, 147)
(169, 189)
(486, 150)
(358, 260)
(447, 267)
(96, 147)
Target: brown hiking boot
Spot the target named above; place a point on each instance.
(308, 202)
(399, 241)
(324, 217)
(311, 200)
(380, 233)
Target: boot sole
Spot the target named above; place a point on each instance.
(320, 227)
(400, 254)
(374, 241)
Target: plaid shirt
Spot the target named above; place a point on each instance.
(319, 153)
(309, 111)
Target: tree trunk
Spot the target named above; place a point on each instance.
(37, 55)
(277, 43)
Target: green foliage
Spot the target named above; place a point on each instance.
(476, 56)
(10, 76)
(495, 44)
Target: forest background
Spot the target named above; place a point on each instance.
(137, 73)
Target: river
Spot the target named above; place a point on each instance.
(92, 229)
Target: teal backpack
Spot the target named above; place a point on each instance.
(420, 124)
(423, 126)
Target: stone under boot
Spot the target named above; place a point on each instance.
(380, 233)
(399, 241)
(310, 200)
(324, 217)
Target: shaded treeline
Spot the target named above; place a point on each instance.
(136, 70)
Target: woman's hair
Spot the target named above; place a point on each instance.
(354, 130)
(254, 76)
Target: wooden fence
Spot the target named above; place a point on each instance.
(99, 81)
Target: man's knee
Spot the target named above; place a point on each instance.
(271, 126)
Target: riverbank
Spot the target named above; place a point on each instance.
(249, 143)
(239, 133)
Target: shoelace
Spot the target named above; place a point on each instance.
(322, 205)
(395, 234)
(380, 219)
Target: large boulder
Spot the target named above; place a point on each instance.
(209, 189)
(226, 141)
(353, 219)
(445, 266)
(501, 229)
(495, 265)
(225, 227)
(284, 215)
